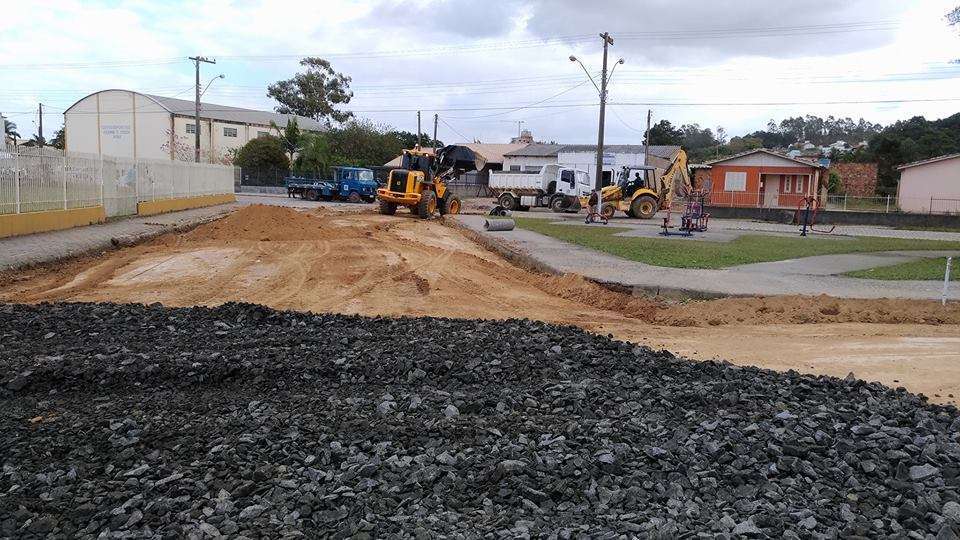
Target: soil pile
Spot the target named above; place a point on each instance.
(126, 420)
(807, 310)
(262, 223)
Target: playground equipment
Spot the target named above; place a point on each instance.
(693, 219)
(806, 216)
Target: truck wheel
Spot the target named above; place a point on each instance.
(508, 201)
(311, 195)
(607, 211)
(427, 205)
(644, 207)
(559, 204)
(354, 197)
(450, 205)
(388, 208)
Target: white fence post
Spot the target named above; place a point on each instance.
(102, 202)
(16, 181)
(63, 173)
(888, 204)
(946, 281)
(844, 202)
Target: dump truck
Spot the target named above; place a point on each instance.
(420, 183)
(351, 184)
(555, 187)
(642, 190)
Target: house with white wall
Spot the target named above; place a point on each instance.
(931, 186)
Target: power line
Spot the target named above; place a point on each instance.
(455, 130)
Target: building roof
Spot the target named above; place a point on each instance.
(222, 113)
(535, 150)
(226, 113)
(765, 151)
(665, 152)
(491, 153)
(926, 161)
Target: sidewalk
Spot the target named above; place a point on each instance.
(20, 251)
(561, 257)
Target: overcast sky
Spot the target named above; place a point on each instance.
(484, 66)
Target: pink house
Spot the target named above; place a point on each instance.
(931, 186)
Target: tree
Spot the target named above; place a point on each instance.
(362, 142)
(409, 140)
(290, 137)
(59, 140)
(263, 153)
(37, 140)
(315, 156)
(663, 133)
(10, 129)
(314, 93)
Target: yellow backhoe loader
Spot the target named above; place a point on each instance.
(640, 191)
(420, 183)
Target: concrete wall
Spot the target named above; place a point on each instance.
(150, 208)
(51, 220)
(938, 180)
(527, 161)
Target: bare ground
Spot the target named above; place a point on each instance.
(324, 260)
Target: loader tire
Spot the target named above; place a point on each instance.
(450, 205)
(427, 205)
(388, 208)
(644, 207)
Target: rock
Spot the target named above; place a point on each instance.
(745, 528)
(252, 512)
(450, 411)
(919, 473)
(951, 512)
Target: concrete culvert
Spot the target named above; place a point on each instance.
(499, 224)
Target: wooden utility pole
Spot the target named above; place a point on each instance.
(196, 126)
(40, 134)
(418, 130)
(646, 140)
(607, 41)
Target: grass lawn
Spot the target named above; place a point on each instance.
(935, 229)
(687, 253)
(927, 269)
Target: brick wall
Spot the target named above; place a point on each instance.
(857, 179)
(700, 178)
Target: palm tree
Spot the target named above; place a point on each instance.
(10, 129)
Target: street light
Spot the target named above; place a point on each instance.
(207, 87)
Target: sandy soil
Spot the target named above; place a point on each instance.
(325, 260)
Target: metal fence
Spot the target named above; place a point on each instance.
(844, 203)
(34, 179)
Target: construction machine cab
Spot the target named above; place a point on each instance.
(636, 177)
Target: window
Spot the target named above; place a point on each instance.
(735, 181)
(515, 168)
(799, 184)
(568, 176)
(229, 132)
(191, 128)
(532, 168)
(366, 175)
(263, 134)
(787, 184)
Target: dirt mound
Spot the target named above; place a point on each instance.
(261, 223)
(578, 289)
(807, 310)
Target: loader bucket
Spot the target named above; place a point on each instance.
(458, 159)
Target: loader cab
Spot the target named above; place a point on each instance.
(417, 161)
(634, 178)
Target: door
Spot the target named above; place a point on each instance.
(771, 191)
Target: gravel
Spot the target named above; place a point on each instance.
(144, 421)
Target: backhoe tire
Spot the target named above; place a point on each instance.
(450, 205)
(608, 210)
(508, 202)
(388, 208)
(427, 205)
(644, 207)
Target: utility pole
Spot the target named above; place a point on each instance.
(436, 118)
(418, 130)
(607, 41)
(196, 126)
(40, 134)
(646, 141)
(519, 129)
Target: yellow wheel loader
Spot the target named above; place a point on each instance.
(420, 183)
(640, 191)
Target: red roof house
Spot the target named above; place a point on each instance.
(762, 178)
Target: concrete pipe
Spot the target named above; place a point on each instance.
(499, 224)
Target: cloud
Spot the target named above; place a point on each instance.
(695, 32)
(466, 18)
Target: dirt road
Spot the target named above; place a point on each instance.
(326, 260)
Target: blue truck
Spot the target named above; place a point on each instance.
(352, 184)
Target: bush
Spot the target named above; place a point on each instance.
(263, 153)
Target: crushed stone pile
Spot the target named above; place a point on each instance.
(145, 421)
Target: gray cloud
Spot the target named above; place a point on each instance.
(696, 32)
(467, 18)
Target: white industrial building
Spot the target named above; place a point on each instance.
(129, 124)
(533, 157)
